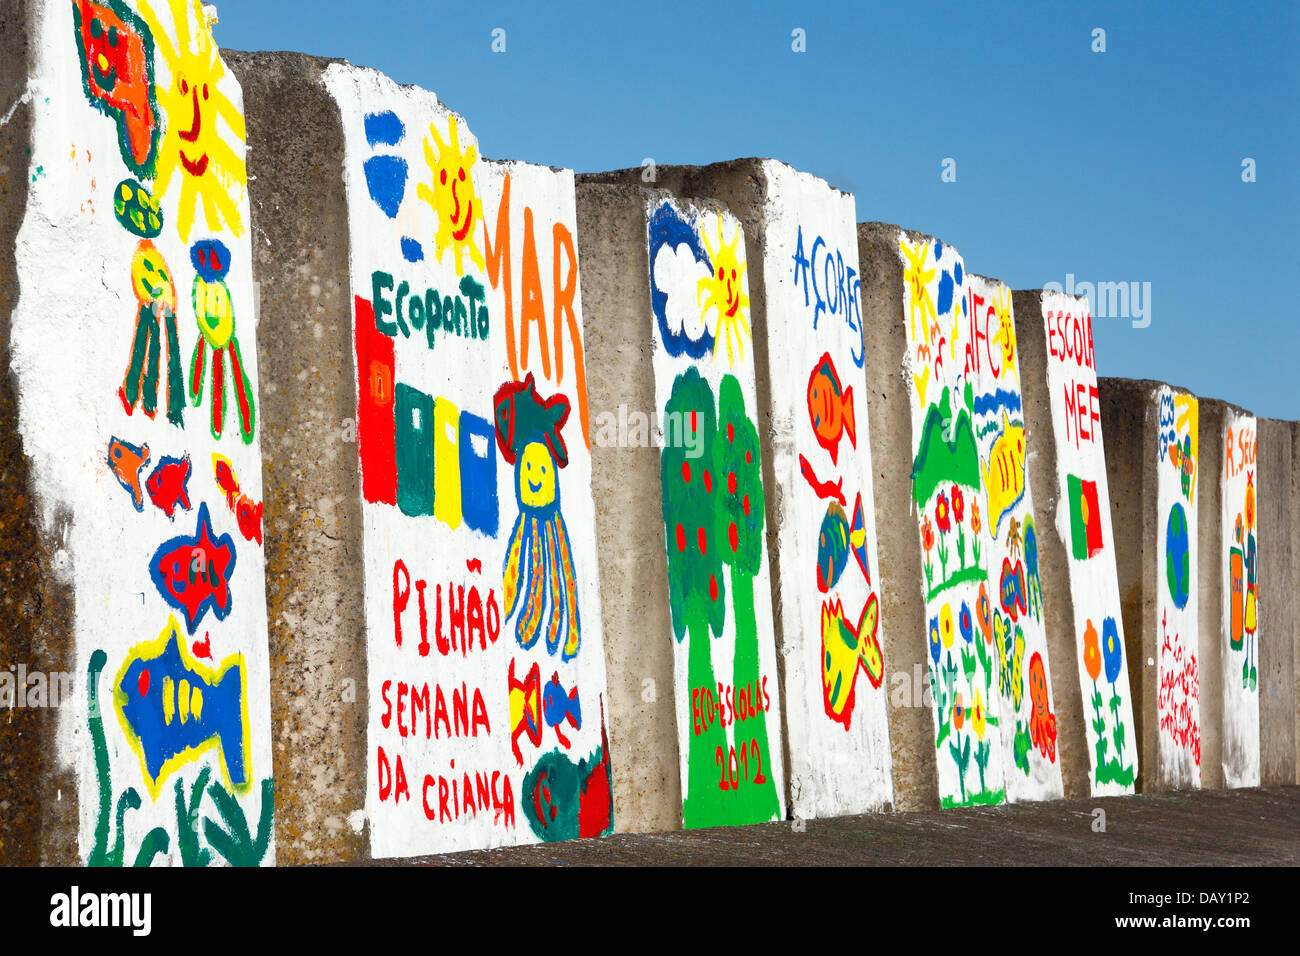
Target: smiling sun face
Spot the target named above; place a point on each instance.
(150, 277)
(725, 290)
(452, 195)
(536, 476)
(193, 143)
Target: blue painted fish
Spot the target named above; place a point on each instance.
(173, 709)
(832, 547)
(558, 706)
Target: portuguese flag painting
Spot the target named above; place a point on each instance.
(1085, 518)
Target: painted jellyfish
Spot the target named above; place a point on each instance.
(155, 293)
(215, 314)
(539, 560)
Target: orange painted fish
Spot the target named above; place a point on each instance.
(830, 407)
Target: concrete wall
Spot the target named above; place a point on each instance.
(1277, 688)
(1240, 532)
(643, 731)
(805, 314)
(138, 416)
(1152, 461)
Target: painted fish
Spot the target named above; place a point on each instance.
(126, 461)
(844, 648)
(248, 513)
(173, 709)
(192, 572)
(525, 708)
(1012, 589)
(858, 538)
(1004, 475)
(832, 547)
(523, 416)
(169, 484)
(558, 707)
(830, 407)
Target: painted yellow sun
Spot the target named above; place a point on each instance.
(452, 195)
(725, 290)
(916, 278)
(1006, 336)
(212, 173)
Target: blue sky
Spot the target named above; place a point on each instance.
(1117, 166)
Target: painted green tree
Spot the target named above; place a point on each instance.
(695, 583)
(738, 529)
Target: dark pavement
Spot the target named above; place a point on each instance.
(1258, 827)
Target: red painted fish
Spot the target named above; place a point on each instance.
(830, 407)
(168, 485)
(248, 513)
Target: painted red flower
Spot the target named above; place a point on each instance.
(941, 514)
(958, 504)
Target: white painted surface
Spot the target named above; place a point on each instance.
(963, 660)
(839, 752)
(73, 330)
(732, 789)
(1241, 656)
(1178, 701)
(1076, 426)
(1029, 732)
(467, 371)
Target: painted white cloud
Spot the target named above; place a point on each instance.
(677, 274)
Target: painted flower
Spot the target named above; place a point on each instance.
(958, 713)
(1091, 655)
(965, 623)
(945, 624)
(958, 504)
(977, 716)
(1111, 649)
(934, 639)
(985, 614)
(927, 535)
(975, 516)
(1250, 505)
(941, 514)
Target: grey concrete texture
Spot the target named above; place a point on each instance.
(1256, 827)
(1277, 599)
(1210, 588)
(1129, 426)
(310, 471)
(1041, 469)
(38, 797)
(636, 619)
(902, 598)
(1295, 586)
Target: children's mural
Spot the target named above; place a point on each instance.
(486, 664)
(139, 182)
(726, 686)
(1178, 703)
(1084, 524)
(953, 522)
(1240, 563)
(834, 686)
(1011, 598)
